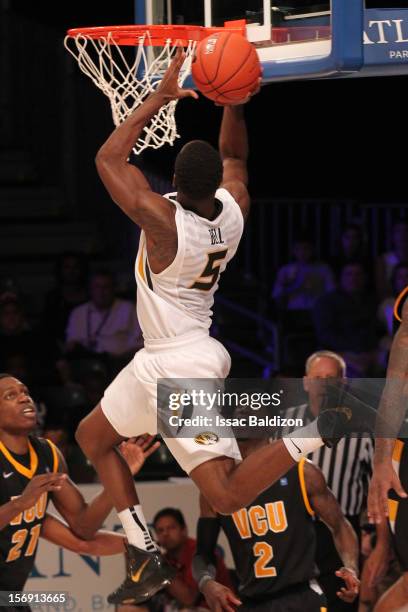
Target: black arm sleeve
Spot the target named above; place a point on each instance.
(204, 561)
(208, 529)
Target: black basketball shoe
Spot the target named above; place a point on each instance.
(346, 411)
(147, 573)
(333, 424)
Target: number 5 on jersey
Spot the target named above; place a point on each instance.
(211, 271)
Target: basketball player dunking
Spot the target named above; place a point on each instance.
(187, 239)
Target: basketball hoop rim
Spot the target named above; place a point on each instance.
(153, 34)
(127, 77)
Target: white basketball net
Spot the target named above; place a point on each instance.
(127, 84)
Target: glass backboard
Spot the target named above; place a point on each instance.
(229, 10)
(298, 39)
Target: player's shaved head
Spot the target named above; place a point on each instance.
(198, 170)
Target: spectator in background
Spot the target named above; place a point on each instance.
(105, 325)
(345, 321)
(10, 289)
(300, 283)
(17, 336)
(13, 323)
(70, 291)
(399, 280)
(387, 261)
(172, 536)
(93, 383)
(351, 249)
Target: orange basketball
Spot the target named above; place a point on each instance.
(226, 67)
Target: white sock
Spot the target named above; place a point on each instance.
(135, 527)
(299, 446)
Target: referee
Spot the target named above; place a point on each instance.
(346, 468)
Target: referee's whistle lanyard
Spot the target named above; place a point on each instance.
(92, 339)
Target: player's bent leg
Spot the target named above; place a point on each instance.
(121, 414)
(147, 571)
(229, 487)
(98, 440)
(395, 598)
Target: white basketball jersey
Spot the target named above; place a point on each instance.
(179, 300)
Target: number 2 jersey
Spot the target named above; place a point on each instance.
(179, 300)
(19, 539)
(273, 540)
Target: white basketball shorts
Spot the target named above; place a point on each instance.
(130, 401)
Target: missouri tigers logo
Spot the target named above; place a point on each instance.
(206, 438)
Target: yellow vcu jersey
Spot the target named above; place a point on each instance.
(18, 541)
(273, 540)
(179, 300)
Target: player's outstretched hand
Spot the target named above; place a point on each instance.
(219, 597)
(349, 592)
(39, 485)
(169, 87)
(383, 480)
(137, 450)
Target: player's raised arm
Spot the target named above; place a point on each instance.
(233, 146)
(125, 182)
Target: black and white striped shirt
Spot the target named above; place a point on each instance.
(347, 467)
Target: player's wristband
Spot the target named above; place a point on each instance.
(203, 581)
(202, 571)
(351, 570)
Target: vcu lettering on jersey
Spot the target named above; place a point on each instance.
(273, 539)
(25, 539)
(18, 541)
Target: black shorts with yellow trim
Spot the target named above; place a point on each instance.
(298, 598)
(398, 507)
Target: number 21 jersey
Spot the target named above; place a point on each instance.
(19, 539)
